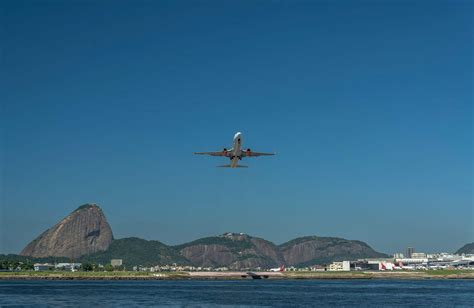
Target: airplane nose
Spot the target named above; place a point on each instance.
(238, 137)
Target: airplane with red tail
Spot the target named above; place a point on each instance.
(236, 153)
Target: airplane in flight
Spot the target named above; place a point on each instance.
(235, 153)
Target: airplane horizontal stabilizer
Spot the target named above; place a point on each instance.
(229, 166)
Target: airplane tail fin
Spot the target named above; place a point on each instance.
(229, 166)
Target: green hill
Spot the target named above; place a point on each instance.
(136, 251)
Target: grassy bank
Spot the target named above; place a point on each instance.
(129, 275)
(91, 275)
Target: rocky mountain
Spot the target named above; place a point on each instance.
(136, 251)
(86, 236)
(234, 250)
(466, 249)
(82, 232)
(312, 250)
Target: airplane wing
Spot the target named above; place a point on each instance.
(221, 153)
(255, 154)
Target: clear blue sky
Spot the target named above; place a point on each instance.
(367, 104)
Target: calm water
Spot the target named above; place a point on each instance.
(238, 293)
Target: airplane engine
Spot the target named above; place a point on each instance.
(249, 152)
(224, 152)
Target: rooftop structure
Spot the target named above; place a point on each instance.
(116, 262)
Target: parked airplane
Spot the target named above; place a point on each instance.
(278, 269)
(384, 266)
(235, 153)
(401, 266)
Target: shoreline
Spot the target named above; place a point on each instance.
(417, 275)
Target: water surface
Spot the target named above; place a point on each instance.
(238, 293)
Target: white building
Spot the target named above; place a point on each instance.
(116, 262)
(67, 266)
(42, 266)
(340, 266)
(398, 255)
(418, 255)
(406, 261)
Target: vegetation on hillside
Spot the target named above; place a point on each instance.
(135, 251)
(234, 246)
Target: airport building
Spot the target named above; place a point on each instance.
(116, 262)
(412, 260)
(418, 255)
(42, 266)
(340, 266)
(67, 266)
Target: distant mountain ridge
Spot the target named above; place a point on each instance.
(85, 235)
(466, 249)
(309, 250)
(233, 250)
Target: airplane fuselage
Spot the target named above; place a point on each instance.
(236, 153)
